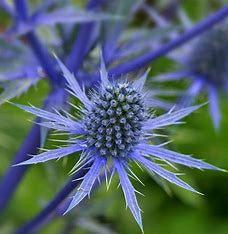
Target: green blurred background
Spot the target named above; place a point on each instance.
(177, 212)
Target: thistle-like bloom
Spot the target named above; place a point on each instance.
(115, 130)
(205, 61)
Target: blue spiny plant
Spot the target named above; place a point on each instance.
(115, 125)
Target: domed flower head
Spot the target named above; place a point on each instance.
(206, 62)
(115, 129)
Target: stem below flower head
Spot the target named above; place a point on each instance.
(60, 197)
(14, 175)
(59, 210)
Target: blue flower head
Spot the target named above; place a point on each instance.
(209, 67)
(209, 57)
(115, 129)
(205, 61)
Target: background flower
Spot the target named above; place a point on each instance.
(204, 61)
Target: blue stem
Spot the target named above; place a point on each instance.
(79, 50)
(147, 58)
(61, 196)
(44, 58)
(13, 175)
(38, 49)
(21, 7)
(11, 179)
(60, 209)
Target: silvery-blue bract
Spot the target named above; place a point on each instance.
(115, 129)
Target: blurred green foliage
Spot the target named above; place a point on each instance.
(180, 212)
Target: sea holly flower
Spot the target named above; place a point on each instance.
(115, 126)
(205, 61)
